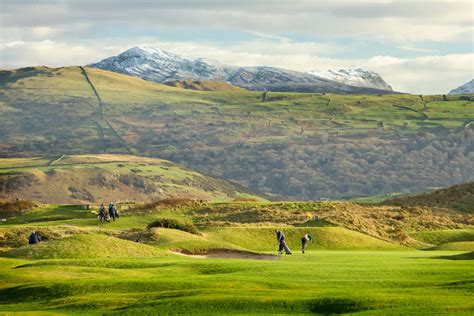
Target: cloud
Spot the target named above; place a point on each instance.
(300, 34)
(433, 74)
(393, 20)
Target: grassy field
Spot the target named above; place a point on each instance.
(324, 282)
(85, 267)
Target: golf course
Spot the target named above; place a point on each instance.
(181, 256)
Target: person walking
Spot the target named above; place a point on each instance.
(102, 214)
(281, 243)
(304, 241)
(112, 211)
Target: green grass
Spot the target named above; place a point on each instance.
(437, 237)
(456, 246)
(325, 282)
(85, 267)
(84, 246)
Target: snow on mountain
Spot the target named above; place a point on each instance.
(354, 77)
(155, 64)
(468, 87)
(158, 65)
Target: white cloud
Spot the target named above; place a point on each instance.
(433, 74)
(69, 32)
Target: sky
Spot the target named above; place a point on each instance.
(422, 47)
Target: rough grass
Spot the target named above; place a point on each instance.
(456, 246)
(174, 224)
(85, 246)
(437, 237)
(15, 208)
(459, 197)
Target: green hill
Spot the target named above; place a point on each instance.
(204, 85)
(106, 177)
(293, 145)
(84, 246)
(459, 197)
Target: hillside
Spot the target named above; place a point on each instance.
(105, 177)
(458, 197)
(292, 145)
(203, 85)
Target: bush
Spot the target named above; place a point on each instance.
(164, 203)
(174, 224)
(15, 208)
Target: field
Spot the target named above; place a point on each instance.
(289, 146)
(324, 282)
(84, 267)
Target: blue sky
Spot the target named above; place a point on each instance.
(417, 46)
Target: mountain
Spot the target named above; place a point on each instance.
(355, 77)
(292, 145)
(158, 65)
(69, 179)
(468, 87)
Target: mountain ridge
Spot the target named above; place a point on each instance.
(468, 87)
(158, 65)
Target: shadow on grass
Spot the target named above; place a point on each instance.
(462, 256)
(338, 306)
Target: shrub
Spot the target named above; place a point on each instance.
(164, 203)
(174, 224)
(15, 208)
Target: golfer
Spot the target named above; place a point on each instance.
(304, 241)
(281, 243)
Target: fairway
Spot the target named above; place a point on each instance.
(326, 282)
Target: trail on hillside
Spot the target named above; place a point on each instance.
(99, 99)
(100, 128)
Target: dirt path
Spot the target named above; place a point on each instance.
(101, 106)
(227, 254)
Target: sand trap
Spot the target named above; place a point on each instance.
(226, 253)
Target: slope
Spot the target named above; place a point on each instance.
(459, 197)
(105, 177)
(290, 145)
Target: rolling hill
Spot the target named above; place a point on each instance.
(291, 146)
(104, 177)
(203, 85)
(459, 197)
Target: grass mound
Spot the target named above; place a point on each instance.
(263, 239)
(459, 197)
(15, 208)
(85, 246)
(438, 237)
(172, 239)
(174, 224)
(456, 246)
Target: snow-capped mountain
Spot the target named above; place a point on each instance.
(158, 65)
(155, 64)
(354, 77)
(468, 87)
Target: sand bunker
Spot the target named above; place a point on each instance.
(226, 253)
